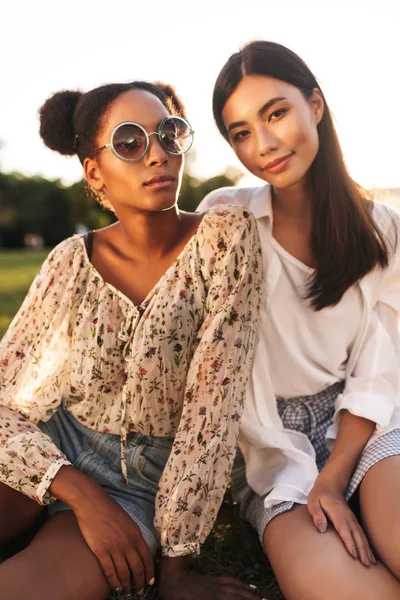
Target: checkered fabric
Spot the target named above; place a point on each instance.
(311, 415)
(387, 445)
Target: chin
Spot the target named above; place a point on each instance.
(164, 205)
(159, 199)
(285, 180)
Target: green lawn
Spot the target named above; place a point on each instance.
(233, 547)
(17, 270)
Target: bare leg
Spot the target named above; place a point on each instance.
(18, 514)
(313, 566)
(57, 564)
(380, 510)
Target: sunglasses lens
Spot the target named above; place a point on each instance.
(129, 142)
(176, 135)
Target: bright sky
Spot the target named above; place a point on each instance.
(352, 46)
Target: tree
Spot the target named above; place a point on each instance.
(193, 190)
(35, 205)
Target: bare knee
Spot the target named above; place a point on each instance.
(18, 514)
(57, 564)
(379, 493)
(314, 566)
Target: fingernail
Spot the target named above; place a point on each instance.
(321, 527)
(152, 581)
(252, 586)
(354, 552)
(372, 559)
(365, 560)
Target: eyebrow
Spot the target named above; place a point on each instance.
(261, 112)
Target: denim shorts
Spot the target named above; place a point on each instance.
(98, 455)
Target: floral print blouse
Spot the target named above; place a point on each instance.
(175, 366)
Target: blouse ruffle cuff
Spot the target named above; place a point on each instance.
(181, 550)
(43, 496)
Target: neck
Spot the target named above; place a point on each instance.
(148, 234)
(294, 202)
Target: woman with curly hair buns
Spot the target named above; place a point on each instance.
(320, 435)
(123, 375)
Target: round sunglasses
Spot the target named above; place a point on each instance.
(129, 141)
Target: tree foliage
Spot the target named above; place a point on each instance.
(35, 205)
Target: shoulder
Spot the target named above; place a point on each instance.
(228, 239)
(68, 245)
(228, 218)
(387, 219)
(66, 253)
(385, 215)
(228, 195)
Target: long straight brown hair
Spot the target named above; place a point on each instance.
(346, 242)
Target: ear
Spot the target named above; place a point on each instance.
(93, 174)
(317, 104)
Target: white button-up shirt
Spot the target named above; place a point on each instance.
(280, 463)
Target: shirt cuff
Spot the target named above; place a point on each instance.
(43, 496)
(287, 493)
(181, 550)
(373, 407)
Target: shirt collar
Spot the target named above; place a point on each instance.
(261, 202)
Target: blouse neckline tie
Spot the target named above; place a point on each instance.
(126, 335)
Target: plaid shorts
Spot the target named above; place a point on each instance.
(311, 415)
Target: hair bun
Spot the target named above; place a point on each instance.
(56, 121)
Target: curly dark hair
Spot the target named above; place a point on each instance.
(70, 121)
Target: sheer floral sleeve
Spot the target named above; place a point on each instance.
(195, 478)
(33, 355)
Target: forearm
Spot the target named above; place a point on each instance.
(74, 488)
(354, 432)
(29, 459)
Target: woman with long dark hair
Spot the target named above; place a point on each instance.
(320, 436)
(123, 375)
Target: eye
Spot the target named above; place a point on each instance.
(276, 114)
(241, 135)
(170, 136)
(129, 144)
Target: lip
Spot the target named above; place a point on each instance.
(160, 181)
(279, 164)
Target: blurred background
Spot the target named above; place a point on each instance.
(351, 46)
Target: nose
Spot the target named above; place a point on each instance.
(156, 154)
(266, 141)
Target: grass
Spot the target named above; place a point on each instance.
(232, 547)
(17, 270)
